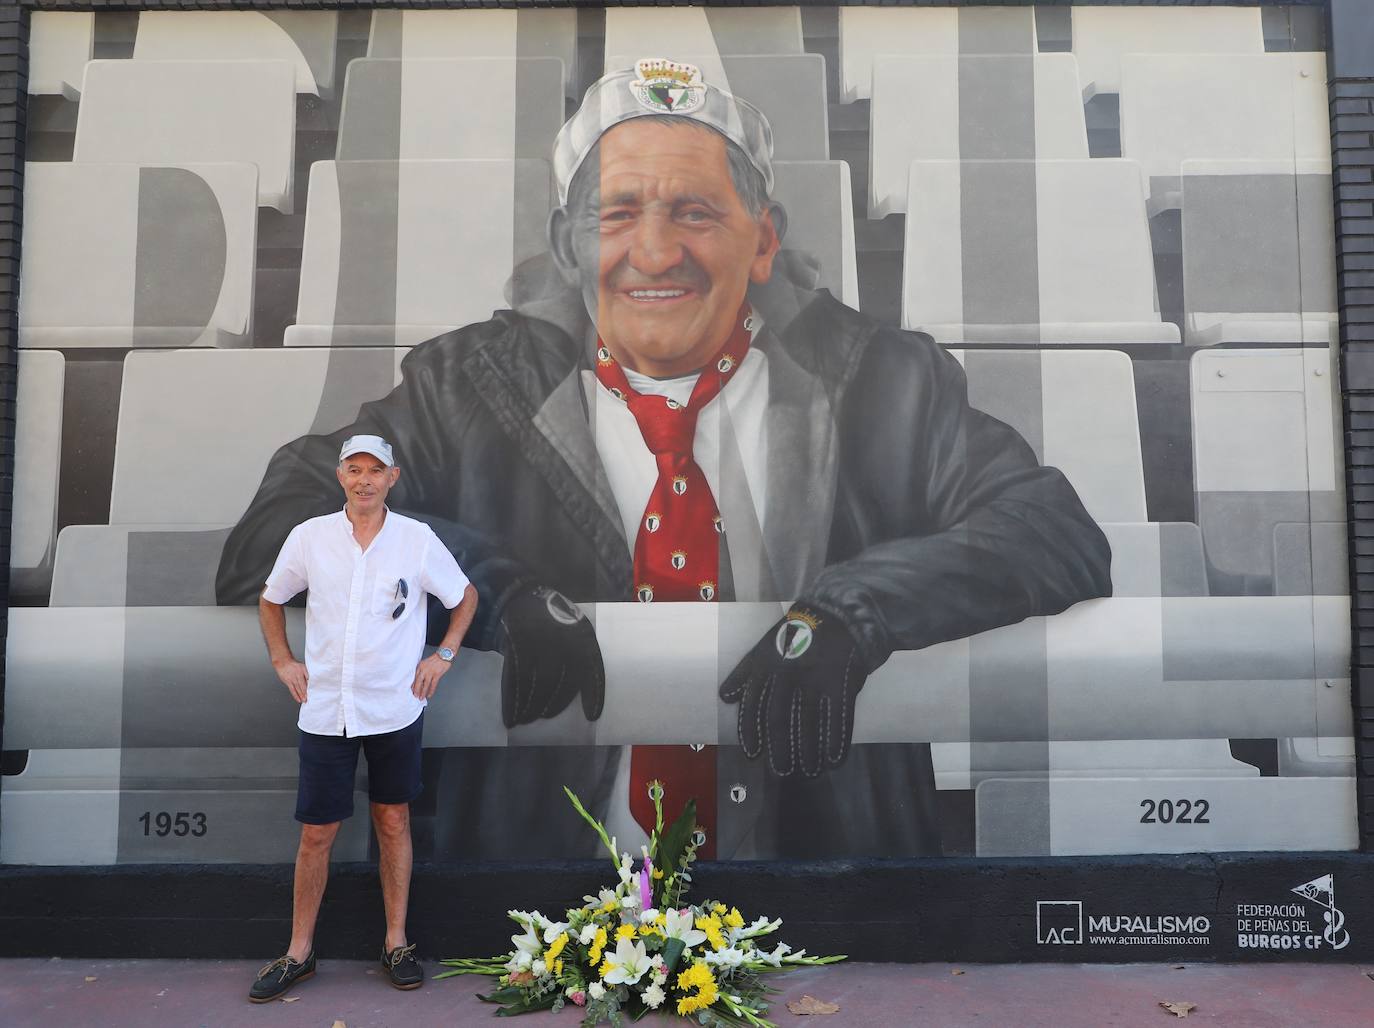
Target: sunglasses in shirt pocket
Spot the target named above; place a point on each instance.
(392, 594)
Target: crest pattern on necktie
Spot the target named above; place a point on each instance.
(677, 547)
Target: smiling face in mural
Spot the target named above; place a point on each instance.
(665, 252)
(366, 482)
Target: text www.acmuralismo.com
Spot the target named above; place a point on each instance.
(1149, 940)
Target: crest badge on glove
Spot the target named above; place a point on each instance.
(795, 634)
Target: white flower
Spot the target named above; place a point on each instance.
(775, 958)
(554, 930)
(679, 926)
(596, 990)
(653, 997)
(730, 957)
(528, 943)
(626, 869)
(648, 916)
(539, 969)
(628, 964)
(587, 934)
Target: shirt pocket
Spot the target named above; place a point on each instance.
(395, 591)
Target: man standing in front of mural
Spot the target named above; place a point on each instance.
(362, 686)
(679, 415)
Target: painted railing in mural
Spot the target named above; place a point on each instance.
(1135, 668)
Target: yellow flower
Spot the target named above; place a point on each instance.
(734, 919)
(558, 967)
(598, 944)
(605, 968)
(658, 872)
(718, 908)
(699, 986)
(711, 926)
(555, 948)
(608, 906)
(625, 931)
(650, 929)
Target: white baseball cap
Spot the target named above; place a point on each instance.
(657, 86)
(373, 444)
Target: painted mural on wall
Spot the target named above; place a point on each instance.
(1026, 414)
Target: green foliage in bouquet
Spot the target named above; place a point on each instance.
(640, 946)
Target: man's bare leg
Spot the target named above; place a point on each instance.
(312, 872)
(392, 822)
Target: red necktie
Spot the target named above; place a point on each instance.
(677, 556)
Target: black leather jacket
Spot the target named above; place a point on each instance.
(891, 502)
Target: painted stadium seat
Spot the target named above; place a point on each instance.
(439, 222)
(867, 33)
(984, 107)
(175, 407)
(707, 32)
(1258, 107)
(305, 38)
(60, 44)
(66, 807)
(820, 221)
(788, 88)
(1102, 36)
(117, 255)
(471, 33)
(450, 108)
(243, 111)
(37, 462)
(1257, 243)
(136, 565)
(1030, 252)
(1077, 410)
(1265, 432)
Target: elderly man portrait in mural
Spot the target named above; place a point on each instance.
(677, 417)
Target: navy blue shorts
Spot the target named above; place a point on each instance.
(330, 762)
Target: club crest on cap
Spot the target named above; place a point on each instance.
(666, 87)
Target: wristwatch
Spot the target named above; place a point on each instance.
(445, 654)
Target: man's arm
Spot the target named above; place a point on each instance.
(434, 667)
(293, 675)
(1002, 538)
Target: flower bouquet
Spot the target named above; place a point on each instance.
(641, 946)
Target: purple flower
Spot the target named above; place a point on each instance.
(646, 894)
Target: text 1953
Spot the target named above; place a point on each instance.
(182, 823)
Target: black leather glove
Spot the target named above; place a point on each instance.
(551, 654)
(796, 691)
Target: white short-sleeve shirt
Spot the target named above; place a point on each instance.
(364, 630)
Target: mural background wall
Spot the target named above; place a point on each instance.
(237, 224)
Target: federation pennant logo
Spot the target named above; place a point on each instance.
(644, 593)
(706, 590)
(678, 560)
(667, 87)
(652, 522)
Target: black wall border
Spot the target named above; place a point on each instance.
(961, 909)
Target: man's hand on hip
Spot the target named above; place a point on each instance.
(293, 675)
(551, 655)
(796, 691)
(427, 675)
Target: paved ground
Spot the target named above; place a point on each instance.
(146, 994)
